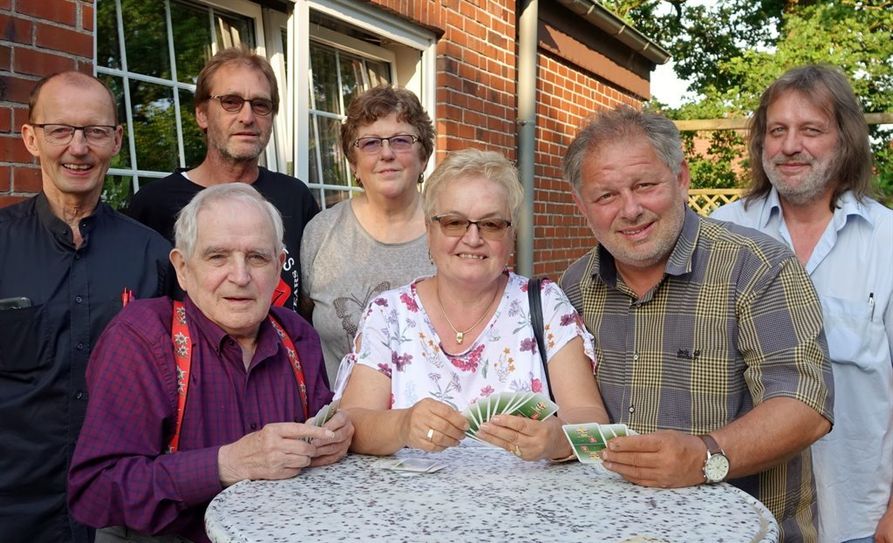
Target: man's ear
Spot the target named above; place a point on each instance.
(29, 137)
(201, 116)
(281, 258)
(684, 177)
(179, 263)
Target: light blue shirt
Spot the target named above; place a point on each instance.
(852, 269)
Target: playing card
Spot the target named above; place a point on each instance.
(325, 413)
(410, 465)
(537, 407)
(586, 441)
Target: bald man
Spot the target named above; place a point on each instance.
(69, 262)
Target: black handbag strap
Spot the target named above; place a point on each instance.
(534, 299)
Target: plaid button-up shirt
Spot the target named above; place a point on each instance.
(734, 322)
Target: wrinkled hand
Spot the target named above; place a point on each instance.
(330, 450)
(448, 426)
(665, 459)
(277, 451)
(884, 531)
(526, 438)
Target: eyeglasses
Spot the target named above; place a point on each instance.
(455, 226)
(372, 144)
(62, 134)
(233, 103)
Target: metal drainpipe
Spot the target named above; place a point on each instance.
(527, 46)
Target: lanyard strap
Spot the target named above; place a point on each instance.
(183, 357)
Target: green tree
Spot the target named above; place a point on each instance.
(731, 51)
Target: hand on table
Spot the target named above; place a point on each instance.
(331, 450)
(526, 438)
(431, 425)
(277, 451)
(665, 459)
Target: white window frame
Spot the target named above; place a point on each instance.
(422, 80)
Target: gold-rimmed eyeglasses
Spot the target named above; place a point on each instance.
(62, 134)
(455, 226)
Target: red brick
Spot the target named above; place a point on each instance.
(63, 39)
(9, 200)
(5, 58)
(5, 176)
(12, 149)
(87, 17)
(19, 117)
(5, 119)
(15, 29)
(29, 61)
(5, 4)
(60, 11)
(26, 180)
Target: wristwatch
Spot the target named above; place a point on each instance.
(716, 467)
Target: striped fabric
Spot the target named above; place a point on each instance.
(734, 322)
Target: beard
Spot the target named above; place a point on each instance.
(803, 188)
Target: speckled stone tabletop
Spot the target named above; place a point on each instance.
(482, 494)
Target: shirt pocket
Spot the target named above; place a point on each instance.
(20, 348)
(853, 338)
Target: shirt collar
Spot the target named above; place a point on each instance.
(59, 229)
(678, 263)
(267, 339)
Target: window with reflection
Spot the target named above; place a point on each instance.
(150, 55)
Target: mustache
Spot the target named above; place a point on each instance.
(798, 158)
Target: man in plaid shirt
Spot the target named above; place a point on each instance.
(709, 336)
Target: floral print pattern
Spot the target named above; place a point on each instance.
(399, 341)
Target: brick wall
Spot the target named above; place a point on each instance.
(37, 38)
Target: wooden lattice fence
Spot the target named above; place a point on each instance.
(704, 201)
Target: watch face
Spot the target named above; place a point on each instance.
(716, 468)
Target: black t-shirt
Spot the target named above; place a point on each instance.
(156, 205)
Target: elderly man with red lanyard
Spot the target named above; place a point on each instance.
(186, 399)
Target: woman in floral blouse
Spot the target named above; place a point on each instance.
(427, 350)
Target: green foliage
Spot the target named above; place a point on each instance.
(732, 51)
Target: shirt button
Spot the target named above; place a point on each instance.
(80, 395)
(636, 357)
(79, 346)
(77, 257)
(78, 299)
(254, 426)
(632, 409)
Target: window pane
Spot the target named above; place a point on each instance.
(232, 31)
(154, 126)
(334, 171)
(379, 73)
(145, 36)
(193, 138)
(351, 78)
(117, 190)
(335, 196)
(192, 40)
(325, 78)
(122, 159)
(108, 51)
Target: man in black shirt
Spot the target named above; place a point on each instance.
(236, 98)
(67, 261)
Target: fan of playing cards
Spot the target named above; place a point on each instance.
(325, 413)
(530, 405)
(590, 439)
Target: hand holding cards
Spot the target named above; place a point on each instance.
(590, 439)
(529, 405)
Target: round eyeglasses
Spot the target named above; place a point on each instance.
(373, 144)
(455, 226)
(62, 134)
(233, 103)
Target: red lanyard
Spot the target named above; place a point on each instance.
(183, 356)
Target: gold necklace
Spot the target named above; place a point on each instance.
(460, 335)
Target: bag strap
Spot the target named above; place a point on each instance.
(534, 299)
(183, 357)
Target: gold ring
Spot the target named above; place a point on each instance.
(430, 434)
(517, 450)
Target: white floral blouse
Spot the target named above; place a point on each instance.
(399, 340)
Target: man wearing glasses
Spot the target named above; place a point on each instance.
(67, 263)
(236, 98)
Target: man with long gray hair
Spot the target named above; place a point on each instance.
(811, 176)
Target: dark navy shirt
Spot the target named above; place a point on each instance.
(44, 348)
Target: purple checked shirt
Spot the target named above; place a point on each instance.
(120, 474)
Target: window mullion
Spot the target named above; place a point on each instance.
(178, 125)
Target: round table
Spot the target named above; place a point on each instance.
(482, 494)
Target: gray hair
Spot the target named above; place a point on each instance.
(186, 227)
(472, 163)
(616, 125)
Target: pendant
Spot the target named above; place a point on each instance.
(459, 337)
